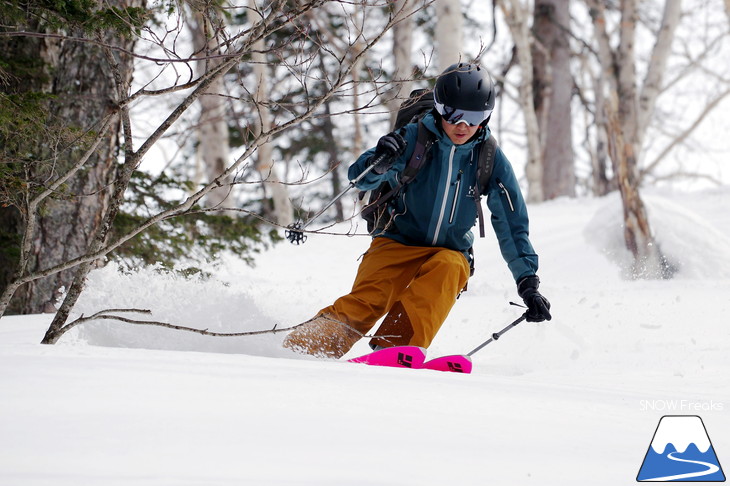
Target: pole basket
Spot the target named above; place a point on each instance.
(294, 233)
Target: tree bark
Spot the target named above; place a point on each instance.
(213, 148)
(402, 49)
(449, 33)
(280, 210)
(516, 16)
(653, 81)
(622, 111)
(553, 88)
(78, 76)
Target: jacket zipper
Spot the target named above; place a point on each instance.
(506, 193)
(456, 197)
(446, 196)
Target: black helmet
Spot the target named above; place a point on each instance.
(464, 93)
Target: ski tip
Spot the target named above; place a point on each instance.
(456, 364)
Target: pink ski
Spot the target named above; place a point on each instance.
(457, 363)
(397, 356)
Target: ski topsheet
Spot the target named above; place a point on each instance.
(397, 356)
(457, 363)
(414, 357)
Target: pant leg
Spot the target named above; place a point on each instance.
(387, 268)
(424, 305)
(423, 281)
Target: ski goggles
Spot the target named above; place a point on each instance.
(454, 116)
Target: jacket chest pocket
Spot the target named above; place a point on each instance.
(505, 193)
(457, 197)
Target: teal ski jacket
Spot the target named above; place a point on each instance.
(439, 206)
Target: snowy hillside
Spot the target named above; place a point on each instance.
(574, 401)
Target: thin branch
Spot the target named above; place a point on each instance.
(687, 132)
(337, 84)
(106, 315)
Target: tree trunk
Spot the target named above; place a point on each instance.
(281, 210)
(213, 148)
(328, 131)
(449, 33)
(553, 88)
(653, 82)
(648, 259)
(77, 74)
(516, 16)
(602, 184)
(402, 48)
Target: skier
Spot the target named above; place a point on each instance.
(420, 262)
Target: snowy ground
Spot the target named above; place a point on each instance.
(572, 402)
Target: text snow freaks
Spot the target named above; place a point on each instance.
(680, 406)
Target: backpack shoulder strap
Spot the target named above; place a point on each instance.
(424, 141)
(487, 154)
(486, 163)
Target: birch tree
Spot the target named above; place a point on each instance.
(213, 149)
(402, 56)
(516, 15)
(628, 109)
(281, 208)
(553, 94)
(449, 33)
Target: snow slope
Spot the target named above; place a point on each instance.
(573, 402)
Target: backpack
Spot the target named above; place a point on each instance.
(418, 104)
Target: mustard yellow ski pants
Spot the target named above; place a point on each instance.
(416, 286)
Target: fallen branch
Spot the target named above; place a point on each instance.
(105, 315)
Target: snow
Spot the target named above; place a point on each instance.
(574, 401)
(680, 432)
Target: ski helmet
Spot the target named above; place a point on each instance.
(464, 93)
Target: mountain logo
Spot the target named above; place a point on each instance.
(681, 451)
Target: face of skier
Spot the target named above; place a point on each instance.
(459, 133)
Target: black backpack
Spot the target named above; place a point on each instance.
(418, 104)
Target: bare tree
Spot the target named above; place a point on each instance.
(553, 94)
(281, 209)
(185, 90)
(213, 149)
(517, 14)
(402, 56)
(628, 115)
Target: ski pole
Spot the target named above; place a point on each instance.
(498, 335)
(295, 231)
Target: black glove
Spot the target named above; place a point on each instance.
(389, 147)
(538, 307)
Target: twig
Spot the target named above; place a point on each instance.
(105, 315)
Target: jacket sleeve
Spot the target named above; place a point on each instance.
(510, 220)
(373, 180)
